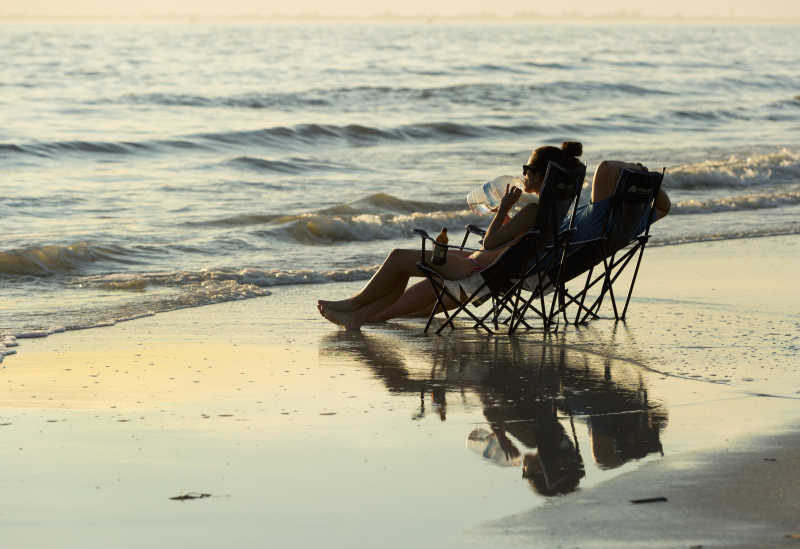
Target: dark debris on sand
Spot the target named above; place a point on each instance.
(190, 495)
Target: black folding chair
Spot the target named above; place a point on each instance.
(632, 202)
(505, 279)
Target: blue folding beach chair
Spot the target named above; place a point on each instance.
(504, 280)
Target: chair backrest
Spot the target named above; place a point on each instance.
(632, 206)
(633, 203)
(560, 190)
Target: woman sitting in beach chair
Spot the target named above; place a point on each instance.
(590, 217)
(385, 296)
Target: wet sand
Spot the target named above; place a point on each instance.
(305, 435)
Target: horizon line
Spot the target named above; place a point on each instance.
(525, 16)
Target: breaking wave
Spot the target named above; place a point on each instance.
(737, 171)
(54, 259)
(737, 202)
(215, 278)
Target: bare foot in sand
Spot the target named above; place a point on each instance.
(342, 305)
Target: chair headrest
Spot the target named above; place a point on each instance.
(637, 186)
(562, 179)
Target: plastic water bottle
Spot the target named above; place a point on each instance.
(483, 199)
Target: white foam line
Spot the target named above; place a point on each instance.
(10, 340)
(103, 324)
(134, 317)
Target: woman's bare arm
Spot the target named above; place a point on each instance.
(501, 231)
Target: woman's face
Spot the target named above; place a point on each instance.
(531, 181)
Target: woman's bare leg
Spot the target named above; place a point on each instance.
(394, 273)
(380, 294)
(416, 301)
(353, 320)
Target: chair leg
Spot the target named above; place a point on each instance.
(633, 281)
(608, 284)
(613, 269)
(595, 306)
(447, 316)
(520, 314)
(583, 294)
(462, 308)
(438, 295)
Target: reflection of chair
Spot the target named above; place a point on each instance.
(525, 261)
(627, 223)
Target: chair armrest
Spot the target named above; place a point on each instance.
(423, 234)
(475, 229)
(472, 229)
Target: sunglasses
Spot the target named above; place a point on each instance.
(526, 168)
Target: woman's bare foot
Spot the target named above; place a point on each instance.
(342, 305)
(352, 321)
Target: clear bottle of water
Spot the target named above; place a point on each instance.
(484, 199)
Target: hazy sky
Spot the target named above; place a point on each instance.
(772, 9)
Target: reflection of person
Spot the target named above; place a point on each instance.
(385, 295)
(623, 425)
(556, 466)
(618, 438)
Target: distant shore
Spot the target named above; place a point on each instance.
(517, 18)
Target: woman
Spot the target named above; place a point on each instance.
(385, 295)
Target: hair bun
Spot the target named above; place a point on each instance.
(572, 148)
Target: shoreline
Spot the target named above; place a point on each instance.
(14, 339)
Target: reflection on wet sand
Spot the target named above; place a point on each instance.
(532, 394)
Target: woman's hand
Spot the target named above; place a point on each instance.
(510, 198)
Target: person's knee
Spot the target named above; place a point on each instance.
(399, 254)
(663, 205)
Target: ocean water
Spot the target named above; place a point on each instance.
(149, 167)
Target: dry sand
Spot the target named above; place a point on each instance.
(304, 435)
